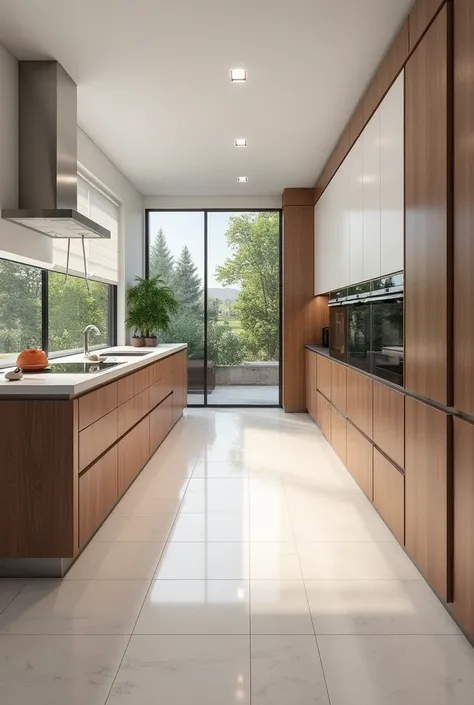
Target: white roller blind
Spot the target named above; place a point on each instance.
(101, 255)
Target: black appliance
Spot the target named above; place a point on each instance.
(338, 325)
(325, 337)
(371, 315)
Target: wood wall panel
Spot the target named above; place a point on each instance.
(297, 197)
(324, 376)
(37, 479)
(94, 405)
(324, 415)
(318, 311)
(426, 491)
(389, 495)
(133, 453)
(311, 385)
(426, 236)
(463, 206)
(359, 401)
(98, 492)
(389, 422)
(359, 459)
(297, 296)
(420, 18)
(96, 438)
(339, 434)
(339, 387)
(464, 523)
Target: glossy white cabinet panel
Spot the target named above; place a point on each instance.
(371, 198)
(354, 161)
(340, 268)
(392, 179)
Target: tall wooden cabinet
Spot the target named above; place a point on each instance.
(427, 236)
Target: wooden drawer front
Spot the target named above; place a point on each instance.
(160, 390)
(96, 438)
(133, 453)
(324, 376)
(339, 386)
(132, 385)
(389, 422)
(359, 459)
(464, 523)
(161, 421)
(324, 416)
(96, 404)
(98, 492)
(426, 491)
(389, 495)
(132, 411)
(339, 434)
(311, 371)
(359, 401)
(163, 368)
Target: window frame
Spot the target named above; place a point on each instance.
(112, 314)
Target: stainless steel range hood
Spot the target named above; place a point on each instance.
(48, 155)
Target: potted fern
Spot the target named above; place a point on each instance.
(151, 303)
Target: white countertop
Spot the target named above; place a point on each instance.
(50, 384)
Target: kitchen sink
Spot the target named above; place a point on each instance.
(132, 353)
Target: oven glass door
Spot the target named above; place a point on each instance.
(387, 340)
(337, 332)
(358, 336)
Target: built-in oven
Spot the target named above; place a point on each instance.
(387, 351)
(338, 325)
(358, 326)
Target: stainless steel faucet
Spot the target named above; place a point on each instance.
(87, 330)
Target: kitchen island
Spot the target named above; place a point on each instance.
(72, 443)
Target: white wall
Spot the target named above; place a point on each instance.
(228, 202)
(22, 244)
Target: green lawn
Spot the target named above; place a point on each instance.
(234, 323)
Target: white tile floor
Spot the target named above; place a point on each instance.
(243, 566)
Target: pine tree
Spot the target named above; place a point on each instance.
(187, 282)
(161, 259)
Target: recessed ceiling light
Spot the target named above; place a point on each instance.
(240, 142)
(238, 75)
(242, 179)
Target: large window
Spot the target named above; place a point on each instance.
(42, 308)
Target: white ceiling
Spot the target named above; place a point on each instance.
(154, 91)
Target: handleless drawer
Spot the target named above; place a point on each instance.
(160, 390)
(96, 404)
(96, 438)
(132, 385)
(132, 411)
(163, 368)
(98, 492)
(161, 421)
(389, 495)
(133, 453)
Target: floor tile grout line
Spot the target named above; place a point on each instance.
(355, 635)
(14, 598)
(310, 612)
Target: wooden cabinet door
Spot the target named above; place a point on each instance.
(180, 384)
(133, 453)
(371, 198)
(392, 159)
(98, 492)
(324, 415)
(464, 523)
(389, 422)
(426, 491)
(359, 401)
(389, 495)
(359, 459)
(96, 438)
(339, 434)
(161, 422)
(356, 227)
(94, 405)
(324, 376)
(311, 371)
(339, 386)
(426, 233)
(463, 206)
(132, 411)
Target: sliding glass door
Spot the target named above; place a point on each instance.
(225, 270)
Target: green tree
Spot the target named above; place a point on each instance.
(161, 259)
(254, 265)
(20, 307)
(187, 282)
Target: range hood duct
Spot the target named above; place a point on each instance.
(48, 155)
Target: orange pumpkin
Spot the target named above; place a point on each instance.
(32, 359)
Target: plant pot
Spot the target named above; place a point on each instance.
(151, 342)
(138, 342)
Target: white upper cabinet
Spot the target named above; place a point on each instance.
(354, 161)
(371, 198)
(392, 179)
(359, 219)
